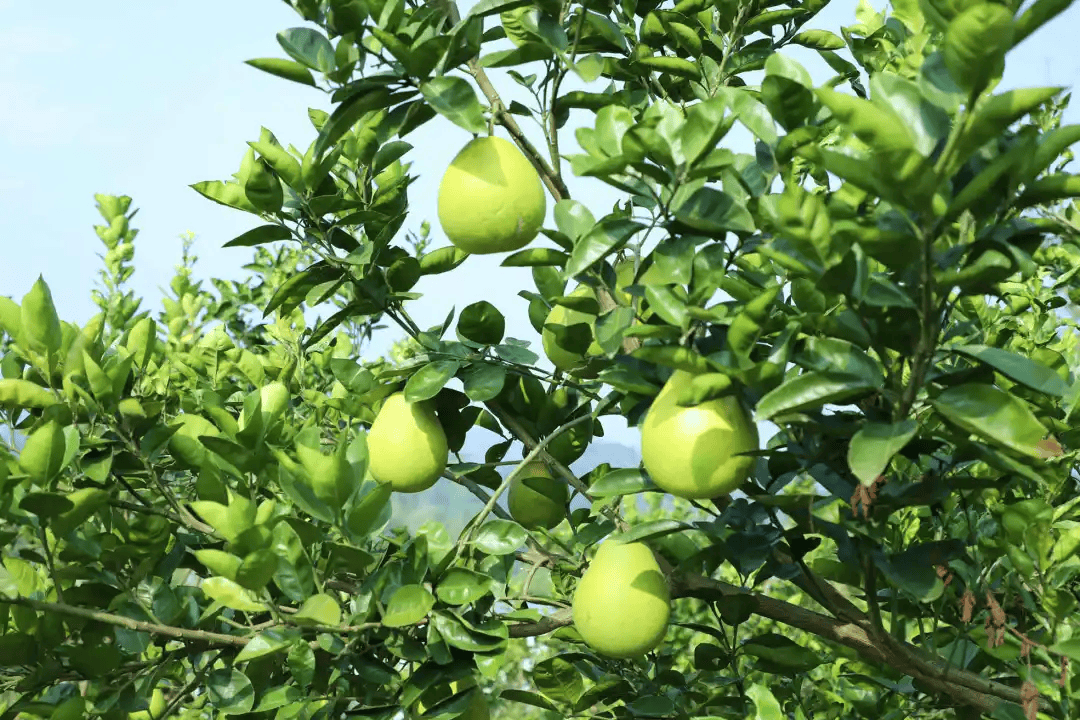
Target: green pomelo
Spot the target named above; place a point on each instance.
(693, 452)
(490, 198)
(622, 602)
(407, 447)
(562, 358)
(157, 708)
(539, 502)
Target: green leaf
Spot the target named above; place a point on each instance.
(653, 529)
(227, 194)
(218, 562)
(674, 356)
(766, 705)
(1023, 370)
(40, 325)
(43, 454)
(430, 379)
(461, 586)
(993, 116)
(1037, 14)
(751, 112)
(408, 605)
(491, 7)
(875, 444)
(536, 700)
(459, 633)
(879, 128)
(318, 609)
(17, 393)
(500, 537)
(558, 679)
(625, 481)
(295, 575)
(348, 113)
(442, 260)
(257, 569)
(371, 513)
(266, 643)
(1049, 189)
(607, 236)
(284, 164)
(85, 502)
(840, 356)
(819, 40)
(975, 44)
(992, 414)
(231, 595)
(454, 98)
(533, 257)
(260, 235)
(45, 504)
(284, 69)
(482, 323)
(714, 212)
(483, 381)
(782, 651)
(229, 691)
(671, 65)
(811, 390)
(309, 47)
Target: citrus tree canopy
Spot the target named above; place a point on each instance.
(850, 349)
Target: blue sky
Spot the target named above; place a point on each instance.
(144, 99)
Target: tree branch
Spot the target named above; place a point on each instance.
(129, 623)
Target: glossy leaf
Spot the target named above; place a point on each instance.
(319, 609)
(500, 537)
(810, 391)
(992, 414)
(1022, 369)
(874, 445)
(408, 605)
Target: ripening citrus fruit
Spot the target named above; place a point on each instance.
(562, 358)
(491, 199)
(541, 502)
(407, 446)
(157, 708)
(622, 603)
(693, 452)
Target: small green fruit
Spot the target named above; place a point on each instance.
(540, 502)
(156, 711)
(407, 446)
(622, 602)
(693, 452)
(562, 358)
(570, 444)
(274, 398)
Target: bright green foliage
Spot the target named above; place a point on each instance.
(195, 497)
